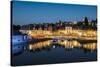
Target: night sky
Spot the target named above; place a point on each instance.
(36, 12)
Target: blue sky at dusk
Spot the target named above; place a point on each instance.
(36, 12)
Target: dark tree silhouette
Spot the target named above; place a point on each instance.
(16, 27)
(86, 21)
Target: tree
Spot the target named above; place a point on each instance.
(16, 27)
(86, 21)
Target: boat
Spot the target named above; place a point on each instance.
(18, 38)
(18, 41)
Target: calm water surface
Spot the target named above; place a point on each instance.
(56, 51)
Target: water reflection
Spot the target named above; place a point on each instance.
(62, 43)
(52, 51)
(90, 46)
(40, 45)
(68, 45)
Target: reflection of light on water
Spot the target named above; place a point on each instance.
(69, 44)
(91, 46)
(30, 47)
(64, 43)
(39, 45)
(54, 46)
